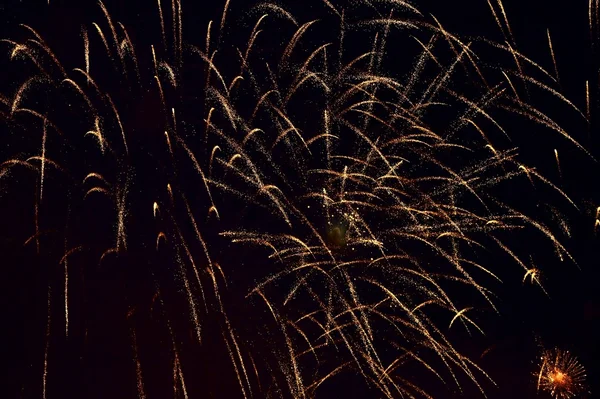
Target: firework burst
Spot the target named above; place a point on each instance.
(561, 374)
(294, 208)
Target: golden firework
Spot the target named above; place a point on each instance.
(374, 192)
(561, 374)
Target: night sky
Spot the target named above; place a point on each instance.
(111, 299)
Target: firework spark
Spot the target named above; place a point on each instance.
(561, 374)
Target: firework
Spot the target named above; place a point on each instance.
(560, 374)
(360, 201)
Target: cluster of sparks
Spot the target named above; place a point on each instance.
(375, 215)
(561, 374)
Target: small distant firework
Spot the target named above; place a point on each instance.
(560, 374)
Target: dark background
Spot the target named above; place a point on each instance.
(528, 319)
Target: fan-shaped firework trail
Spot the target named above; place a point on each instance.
(361, 199)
